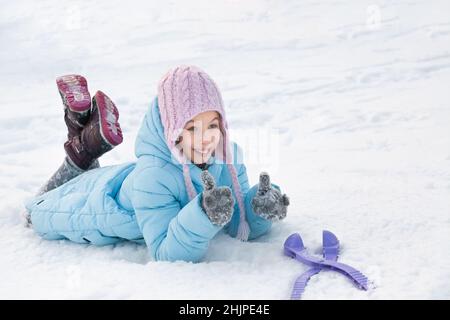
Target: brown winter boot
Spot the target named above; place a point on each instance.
(77, 102)
(100, 134)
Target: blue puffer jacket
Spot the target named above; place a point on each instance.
(142, 201)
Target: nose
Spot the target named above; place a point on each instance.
(207, 140)
(204, 138)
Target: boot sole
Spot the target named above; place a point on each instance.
(109, 119)
(74, 92)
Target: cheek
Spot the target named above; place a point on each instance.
(187, 140)
(213, 135)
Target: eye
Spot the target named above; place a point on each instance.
(211, 126)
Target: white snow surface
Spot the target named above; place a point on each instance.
(355, 95)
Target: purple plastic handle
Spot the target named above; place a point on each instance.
(330, 245)
(293, 247)
(358, 278)
(302, 281)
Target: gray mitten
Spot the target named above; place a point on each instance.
(217, 202)
(268, 202)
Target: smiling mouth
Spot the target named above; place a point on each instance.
(202, 152)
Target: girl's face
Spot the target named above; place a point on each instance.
(200, 137)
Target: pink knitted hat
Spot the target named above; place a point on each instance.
(183, 93)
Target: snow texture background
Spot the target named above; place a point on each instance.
(345, 103)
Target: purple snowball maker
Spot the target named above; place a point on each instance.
(294, 248)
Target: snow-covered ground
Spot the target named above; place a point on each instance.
(354, 100)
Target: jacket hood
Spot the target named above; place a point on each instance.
(150, 139)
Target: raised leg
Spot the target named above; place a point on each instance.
(67, 171)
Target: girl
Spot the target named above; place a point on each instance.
(187, 184)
